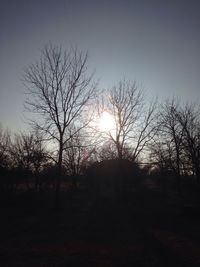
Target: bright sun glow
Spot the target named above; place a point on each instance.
(106, 122)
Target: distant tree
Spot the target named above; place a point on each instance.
(58, 91)
(159, 155)
(107, 151)
(189, 118)
(167, 149)
(134, 123)
(113, 178)
(5, 161)
(5, 140)
(28, 155)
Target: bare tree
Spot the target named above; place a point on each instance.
(189, 118)
(5, 140)
(134, 125)
(5, 161)
(159, 155)
(58, 91)
(28, 155)
(168, 146)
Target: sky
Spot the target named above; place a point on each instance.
(156, 43)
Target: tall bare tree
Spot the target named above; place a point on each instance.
(58, 90)
(134, 124)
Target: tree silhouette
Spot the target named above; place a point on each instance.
(58, 90)
(28, 155)
(188, 117)
(134, 124)
(168, 148)
(5, 140)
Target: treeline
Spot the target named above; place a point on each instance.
(175, 149)
(28, 163)
(172, 147)
(65, 137)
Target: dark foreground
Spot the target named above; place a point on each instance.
(145, 229)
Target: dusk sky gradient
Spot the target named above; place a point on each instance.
(156, 43)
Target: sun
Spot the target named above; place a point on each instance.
(106, 122)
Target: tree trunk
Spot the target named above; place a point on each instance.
(58, 176)
(119, 151)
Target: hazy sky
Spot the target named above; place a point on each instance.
(156, 43)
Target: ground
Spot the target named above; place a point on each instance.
(146, 228)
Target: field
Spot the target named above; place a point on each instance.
(145, 228)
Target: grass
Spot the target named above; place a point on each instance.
(146, 228)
